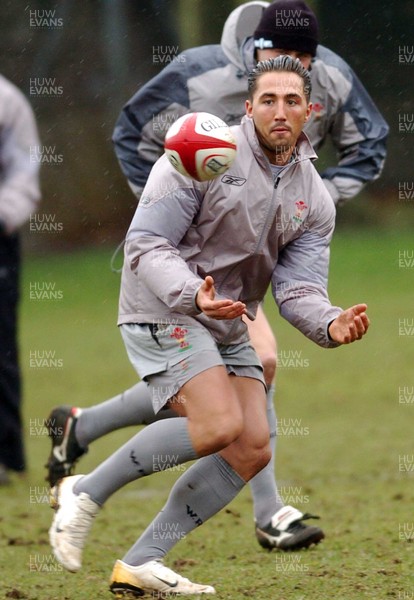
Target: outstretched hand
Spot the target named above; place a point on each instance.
(350, 325)
(217, 309)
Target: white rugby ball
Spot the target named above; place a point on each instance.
(200, 145)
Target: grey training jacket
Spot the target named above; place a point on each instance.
(19, 158)
(214, 79)
(242, 229)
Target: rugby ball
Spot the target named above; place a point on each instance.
(200, 145)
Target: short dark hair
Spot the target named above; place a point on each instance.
(280, 63)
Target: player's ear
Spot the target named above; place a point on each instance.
(249, 108)
(308, 111)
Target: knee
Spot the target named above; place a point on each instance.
(263, 458)
(259, 457)
(261, 452)
(220, 432)
(257, 452)
(269, 363)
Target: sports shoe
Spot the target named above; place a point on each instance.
(153, 578)
(287, 532)
(65, 452)
(71, 523)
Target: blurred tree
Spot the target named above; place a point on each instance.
(96, 54)
(202, 22)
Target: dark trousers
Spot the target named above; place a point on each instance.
(11, 436)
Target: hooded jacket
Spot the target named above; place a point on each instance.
(213, 79)
(242, 229)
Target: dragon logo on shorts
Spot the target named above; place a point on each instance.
(180, 335)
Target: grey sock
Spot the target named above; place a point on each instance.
(266, 498)
(161, 445)
(204, 489)
(132, 407)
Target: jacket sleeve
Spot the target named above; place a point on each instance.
(140, 130)
(359, 134)
(19, 161)
(299, 285)
(152, 247)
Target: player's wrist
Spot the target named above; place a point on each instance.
(328, 331)
(196, 301)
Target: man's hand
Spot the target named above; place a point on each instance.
(217, 309)
(350, 326)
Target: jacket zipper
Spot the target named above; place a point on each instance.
(255, 251)
(265, 227)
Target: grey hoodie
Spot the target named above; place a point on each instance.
(19, 158)
(245, 236)
(214, 79)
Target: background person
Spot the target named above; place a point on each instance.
(19, 196)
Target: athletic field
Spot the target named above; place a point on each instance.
(345, 446)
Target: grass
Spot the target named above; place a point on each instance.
(344, 437)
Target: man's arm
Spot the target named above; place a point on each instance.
(359, 134)
(151, 248)
(160, 222)
(141, 128)
(299, 285)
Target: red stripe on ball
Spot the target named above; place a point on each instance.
(187, 141)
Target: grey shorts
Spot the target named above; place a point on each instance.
(167, 356)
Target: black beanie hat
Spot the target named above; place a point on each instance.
(289, 25)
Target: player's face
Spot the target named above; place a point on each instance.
(304, 57)
(279, 110)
